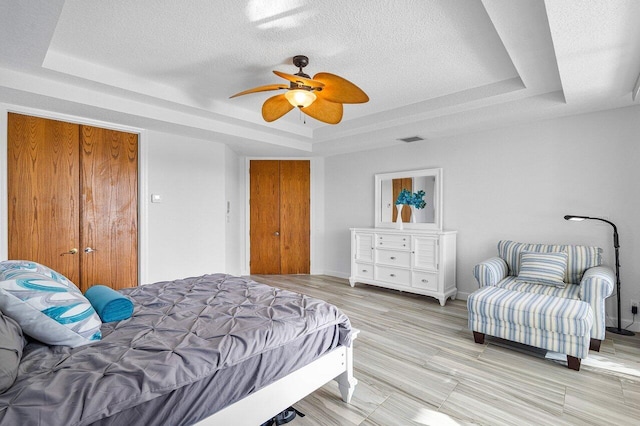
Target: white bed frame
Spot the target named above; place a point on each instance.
(265, 403)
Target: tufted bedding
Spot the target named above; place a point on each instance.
(191, 347)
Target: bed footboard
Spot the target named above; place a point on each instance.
(346, 381)
(274, 398)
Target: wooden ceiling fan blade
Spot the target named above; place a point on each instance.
(338, 89)
(261, 89)
(297, 79)
(325, 111)
(275, 107)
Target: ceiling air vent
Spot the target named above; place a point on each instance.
(411, 139)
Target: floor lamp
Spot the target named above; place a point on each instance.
(616, 246)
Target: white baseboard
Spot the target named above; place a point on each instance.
(337, 274)
(613, 322)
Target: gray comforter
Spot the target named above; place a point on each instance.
(181, 332)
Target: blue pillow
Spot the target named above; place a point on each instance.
(109, 304)
(48, 310)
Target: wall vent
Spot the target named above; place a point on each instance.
(411, 139)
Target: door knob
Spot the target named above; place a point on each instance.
(89, 250)
(72, 251)
(277, 234)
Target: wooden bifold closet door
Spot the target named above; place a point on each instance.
(280, 216)
(73, 200)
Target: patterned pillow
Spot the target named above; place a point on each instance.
(50, 311)
(12, 268)
(543, 268)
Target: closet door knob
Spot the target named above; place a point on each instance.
(72, 251)
(89, 250)
(277, 234)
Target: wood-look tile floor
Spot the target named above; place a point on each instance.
(417, 364)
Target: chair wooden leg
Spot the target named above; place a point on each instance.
(478, 337)
(594, 345)
(573, 362)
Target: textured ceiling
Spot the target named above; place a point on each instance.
(430, 68)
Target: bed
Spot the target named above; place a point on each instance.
(206, 350)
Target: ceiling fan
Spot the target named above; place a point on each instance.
(321, 97)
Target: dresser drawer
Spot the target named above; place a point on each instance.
(393, 275)
(393, 258)
(424, 280)
(364, 270)
(393, 241)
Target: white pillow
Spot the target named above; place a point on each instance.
(48, 310)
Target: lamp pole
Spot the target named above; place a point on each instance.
(616, 246)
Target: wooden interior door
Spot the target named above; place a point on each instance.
(73, 188)
(109, 208)
(264, 217)
(43, 192)
(279, 217)
(295, 217)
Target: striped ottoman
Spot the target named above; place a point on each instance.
(553, 323)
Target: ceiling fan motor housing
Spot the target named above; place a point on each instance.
(300, 61)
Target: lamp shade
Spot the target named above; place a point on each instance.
(576, 218)
(300, 97)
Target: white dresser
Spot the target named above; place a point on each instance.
(416, 261)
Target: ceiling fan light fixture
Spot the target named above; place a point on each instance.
(300, 98)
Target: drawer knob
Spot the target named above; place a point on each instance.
(392, 275)
(364, 270)
(425, 281)
(393, 258)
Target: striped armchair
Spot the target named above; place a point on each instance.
(545, 270)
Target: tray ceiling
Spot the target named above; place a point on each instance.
(430, 68)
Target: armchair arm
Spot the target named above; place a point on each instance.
(491, 271)
(596, 285)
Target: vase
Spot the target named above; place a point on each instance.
(399, 223)
(413, 214)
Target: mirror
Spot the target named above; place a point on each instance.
(389, 186)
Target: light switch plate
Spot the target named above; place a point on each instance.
(156, 198)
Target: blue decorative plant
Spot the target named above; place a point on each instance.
(415, 199)
(404, 197)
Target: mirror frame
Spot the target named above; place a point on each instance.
(437, 198)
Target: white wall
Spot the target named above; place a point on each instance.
(234, 211)
(513, 183)
(186, 231)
